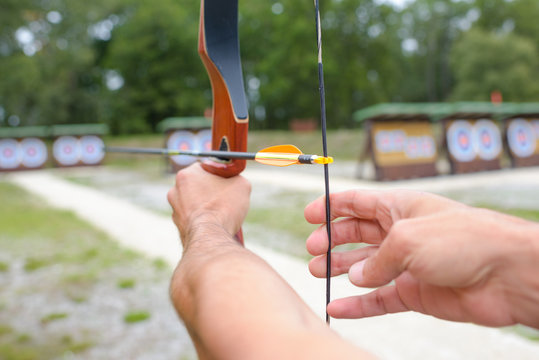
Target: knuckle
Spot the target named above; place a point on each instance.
(170, 196)
(246, 184)
(181, 176)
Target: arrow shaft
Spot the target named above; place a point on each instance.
(222, 155)
(174, 152)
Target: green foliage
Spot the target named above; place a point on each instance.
(13, 352)
(126, 283)
(160, 264)
(155, 53)
(131, 63)
(485, 62)
(5, 329)
(136, 316)
(53, 317)
(4, 266)
(33, 264)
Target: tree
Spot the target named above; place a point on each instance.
(49, 73)
(485, 62)
(155, 53)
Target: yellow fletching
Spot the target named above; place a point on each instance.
(276, 162)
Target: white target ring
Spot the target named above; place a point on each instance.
(10, 154)
(91, 149)
(182, 140)
(521, 138)
(488, 139)
(460, 141)
(66, 150)
(34, 153)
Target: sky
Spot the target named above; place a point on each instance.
(397, 3)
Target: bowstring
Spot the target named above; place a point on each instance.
(324, 149)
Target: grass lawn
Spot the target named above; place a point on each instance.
(66, 288)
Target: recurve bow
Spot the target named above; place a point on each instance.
(219, 49)
(218, 45)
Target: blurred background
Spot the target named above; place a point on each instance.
(130, 63)
(69, 290)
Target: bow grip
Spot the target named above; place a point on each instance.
(218, 46)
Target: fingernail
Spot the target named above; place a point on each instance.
(355, 274)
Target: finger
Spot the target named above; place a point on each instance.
(392, 258)
(340, 261)
(385, 300)
(362, 204)
(344, 232)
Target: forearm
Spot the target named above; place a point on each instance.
(236, 306)
(520, 272)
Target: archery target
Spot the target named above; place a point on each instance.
(413, 148)
(204, 140)
(391, 141)
(182, 140)
(420, 147)
(34, 152)
(487, 139)
(66, 150)
(91, 149)
(460, 141)
(10, 154)
(428, 146)
(521, 138)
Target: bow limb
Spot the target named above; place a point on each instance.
(218, 45)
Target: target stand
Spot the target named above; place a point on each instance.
(78, 145)
(400, 141)
(23, 148)
(185, 133)
(522, 138)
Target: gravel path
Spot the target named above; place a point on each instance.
(398, 336)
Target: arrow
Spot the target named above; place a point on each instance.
(279, 155)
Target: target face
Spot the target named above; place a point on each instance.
(182, 140)
(204, 140)
(66, 150)
(420, 147)
(460, 136)
(34, 152)
(521, 138)
(487, 139)
(91, 149)
(391, 141)
(10, 154)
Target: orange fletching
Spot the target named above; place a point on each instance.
(284, 149)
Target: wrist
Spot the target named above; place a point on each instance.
(521, 269)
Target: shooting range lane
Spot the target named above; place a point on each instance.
(398, 336)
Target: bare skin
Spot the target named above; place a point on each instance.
(438, 256)
(445, 259)
(234, 305)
